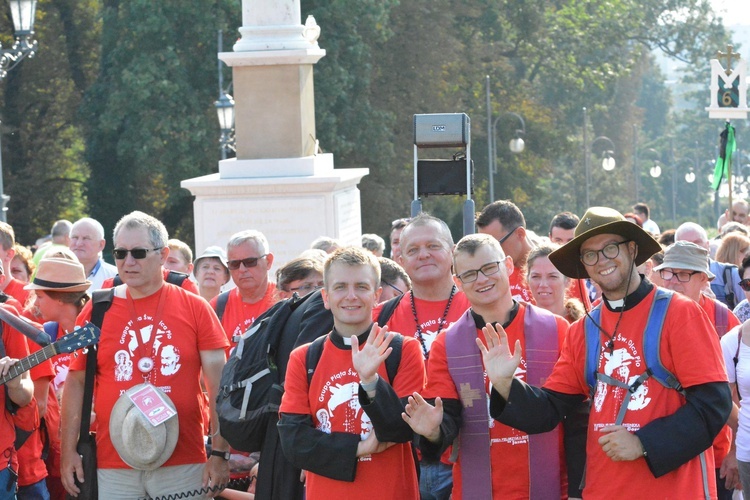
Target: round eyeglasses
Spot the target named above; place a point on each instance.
(610, 251)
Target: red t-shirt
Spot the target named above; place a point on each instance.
(15, 347)
(238, 315)
(187, 326)
(519, 289)
(723, 441)
(581, 293)
(509, 447)
(686, 350)
(14, 288)
(429, 314)
(333, 403)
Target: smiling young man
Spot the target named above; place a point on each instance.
(644, 439)
(481, 271)
(343, 423)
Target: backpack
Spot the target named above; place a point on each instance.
(725, 293)
(221, 304)
(251, 388)
(651, 345)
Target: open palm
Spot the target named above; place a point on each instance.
(422, 417)
(499, 363)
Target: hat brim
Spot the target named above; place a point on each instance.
(131, 456)
(567, 258)
(81, 287)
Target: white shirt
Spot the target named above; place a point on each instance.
(651, 227)
(99, 273)
(741, 376)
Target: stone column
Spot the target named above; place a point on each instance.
(279, 183)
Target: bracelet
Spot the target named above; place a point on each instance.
(371, 386)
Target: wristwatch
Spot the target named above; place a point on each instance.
(222, 454)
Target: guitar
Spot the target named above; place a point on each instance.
(78, 339)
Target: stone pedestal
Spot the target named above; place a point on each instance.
(278, 184)
(291, 211)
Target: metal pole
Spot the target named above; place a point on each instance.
(635, 162)
(728, 163)
(586, 165)
(674, 183)
(3, 198)
(490, 140)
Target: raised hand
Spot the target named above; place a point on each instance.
(499, 363)
(423, 418)
(367, 360)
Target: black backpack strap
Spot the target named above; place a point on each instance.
(116, 281)
(176, 278)
(736, 360)
(393, 361)
(729, 286)
(314, 352)
(221, 304)
(102, 300)
(388, 308)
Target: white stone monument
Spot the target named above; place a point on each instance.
(279, 183)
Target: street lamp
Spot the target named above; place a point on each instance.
(608, 160)
(225, 112)
(22, 12)
(516, 146)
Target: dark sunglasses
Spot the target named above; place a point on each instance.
(233, 265)
(745, 284)
(137, 253)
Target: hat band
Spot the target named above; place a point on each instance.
(54, 284)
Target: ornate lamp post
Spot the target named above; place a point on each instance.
(516, 146)
(225, 112)
(608, 160)
(22, 12)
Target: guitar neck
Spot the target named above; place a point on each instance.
(29, 362)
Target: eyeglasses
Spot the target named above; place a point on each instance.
(398, 290)
(233, 265)
(504, 238)
(745, 284)
(137, 253)
(682, 276)
(611, 251)
(487, 269)
(306, 288)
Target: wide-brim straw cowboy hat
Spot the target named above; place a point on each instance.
(59, 275)
(596, 221)
(140, 444)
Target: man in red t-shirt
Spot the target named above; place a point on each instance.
(685, 270)
(433, 304)
(505, 222)
(344, 427)
(482, 271)
(644, 439)
(159, 334)
(249, 260)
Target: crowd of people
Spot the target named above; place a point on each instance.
(594, 361)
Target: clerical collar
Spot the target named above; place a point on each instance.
(633, 299)
(346, 342)
(481, 323)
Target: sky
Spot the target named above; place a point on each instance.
(733, 12)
